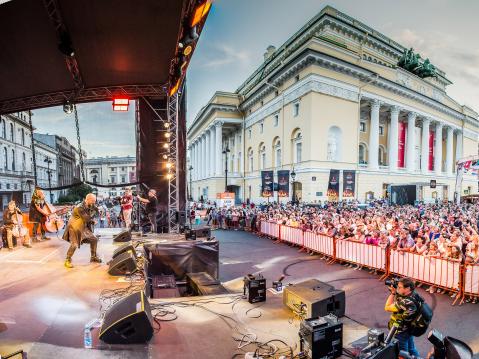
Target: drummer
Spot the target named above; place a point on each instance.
(13, 228)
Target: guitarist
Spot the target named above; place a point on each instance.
(10, 216)
(38, 213)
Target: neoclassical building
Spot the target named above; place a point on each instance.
(334, 97)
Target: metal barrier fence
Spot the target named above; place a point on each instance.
(454, 276)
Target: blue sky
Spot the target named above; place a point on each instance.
(237, 33)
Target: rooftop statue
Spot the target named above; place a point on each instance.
(426, 69)
(411, 62)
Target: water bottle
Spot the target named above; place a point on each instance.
(87, 341)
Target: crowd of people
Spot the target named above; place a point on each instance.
(446, 231)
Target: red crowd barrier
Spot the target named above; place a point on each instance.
(292, 235)
(362, 254)
(319, 243)
(433, 271)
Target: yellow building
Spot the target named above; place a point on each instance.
(333, 97)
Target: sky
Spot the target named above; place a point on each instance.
(237, 32)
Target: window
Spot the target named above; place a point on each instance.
(299, 152)
(297, 144)
(11, 132)
(362, 153)
(8, 185)
(296, 78)
(5, 158)
(262, 157)
(113, 179)
(250, 160)
(262, 102)
(277, 152)
(23, 137)
(123, 179)
(24, 162)
(362, 126)
(123, 169)
(295, 109)
(276, 120)
(94, 178)
(261, 127)
(112, 169)
(249, 134)
(13, 160)
(381, 130)
(276, 93)
(15, 186)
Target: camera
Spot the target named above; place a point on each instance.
(391, 282)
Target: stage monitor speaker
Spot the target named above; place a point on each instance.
(123, 236)
(123, 264)
(124, 248)
(128, 321)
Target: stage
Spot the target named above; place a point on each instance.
(45, 306)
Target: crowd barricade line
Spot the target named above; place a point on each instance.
(471, 280)
(319, 243)
(362, 254)
(270, 229)
(292, 235)
(433, 271)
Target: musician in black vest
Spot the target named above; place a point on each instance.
(11, 218)
(38, 213)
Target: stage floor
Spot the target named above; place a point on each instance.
(44, 306)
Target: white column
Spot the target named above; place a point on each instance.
(236, 153)
(393, 139)
(449, 144)
(195, 160)
(411, 141)
(458, 145)
(200, 147)
(374, 136)
(212, 151)
(425, 146)
(208, 154)
(438, 149)
(241, 154)
(219, 150)
(203, 157)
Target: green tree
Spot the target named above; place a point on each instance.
(76, 194)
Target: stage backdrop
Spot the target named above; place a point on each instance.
(333, 185)
(349, 183)
(266, 183)
(283, 183)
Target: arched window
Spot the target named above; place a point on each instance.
(4, 129)
(11, 132)
(262, 156)
(362, 153)
(382, 156)
(333, 152)
(250, 160)
(24, 162)
(13, 160)
(23, 137)
(5, 158)
(297, 145)
(277, 152)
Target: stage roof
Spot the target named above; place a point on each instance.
(119, 47)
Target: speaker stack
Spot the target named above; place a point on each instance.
(123, 236)
(129, 321)
(124, 260)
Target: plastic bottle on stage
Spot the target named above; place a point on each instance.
(87, 339)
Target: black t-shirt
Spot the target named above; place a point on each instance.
(151, 206)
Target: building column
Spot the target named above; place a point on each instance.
(198, 167)
(438, 149)
(374, 136)
(458, 145)
(449, 148)
(219, 150)
(411, 142)
(393, 139)
(425, 146)
(212, 151)
(208, 154)
(195, 160)
(203, 158)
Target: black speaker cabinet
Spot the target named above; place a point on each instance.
(128, 321)
(124, 248)
(123, 264)
(123, 236)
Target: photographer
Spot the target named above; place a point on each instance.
(402, 304)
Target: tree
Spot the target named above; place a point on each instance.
(76, 194)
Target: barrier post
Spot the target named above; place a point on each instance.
(387, 260)
(302, 241)
(462, 282)
(279, 234)
(333, 259)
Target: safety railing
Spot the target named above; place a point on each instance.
(442, 273)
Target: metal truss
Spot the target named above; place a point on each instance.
(84, 95)
(173, 171)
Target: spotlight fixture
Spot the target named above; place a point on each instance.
(166, 124)
(68, 107)
(167, 134)
(121, 104)
(65, 45)
(165, 156)
(169, 176)
(168, 165)
(165, 145)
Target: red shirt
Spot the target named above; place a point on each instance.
(126, 202)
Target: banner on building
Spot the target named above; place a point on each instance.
(401, 144)
(283, 183)
(333, 185)
(431, 150)
(266, 183)
(349, 183)
(132, 177)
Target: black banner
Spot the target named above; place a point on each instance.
(283, 183)
(349, 183)
(267, 183)
(333, 185)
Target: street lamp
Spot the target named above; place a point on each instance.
(48, 161)
(293, 177)
(225, 152)
(190, 169)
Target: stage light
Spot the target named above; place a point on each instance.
(65, 45)
(169, 176)
(121, 104)
(68, 107)
(167, 134)
(165, 145)
(166, 124)
(168, 165)
(165, 157)
(200, 12)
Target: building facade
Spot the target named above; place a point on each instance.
(333, 97)
(111, 170)
(47, 168)
(16, 172)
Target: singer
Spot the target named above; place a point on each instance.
(402, 304)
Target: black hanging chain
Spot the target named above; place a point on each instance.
(34, 158)
(80, 152)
